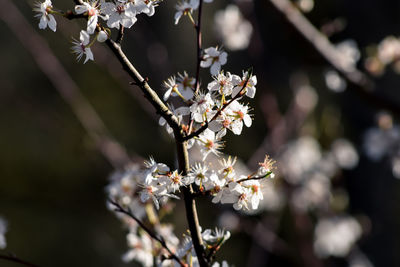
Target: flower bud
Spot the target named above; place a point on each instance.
(102, 36)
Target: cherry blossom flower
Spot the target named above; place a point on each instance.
(174, 181)
(153, 170)
(250, 89)
(255, 193)
(202, 105)
(199, 174)
(141, 249)
(239, 113)
(184, 8)
(266, 167)
(227, 170)
(46, 19)
(119, 13)
(93, 12)
(240, 194)
(185, 85)
(215, 237)
(172, 88)
(224, 84)
(82, 47)
(209, 143)
(214, 59)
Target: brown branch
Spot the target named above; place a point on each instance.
(14, 258)
(361, 83)
(199, 57)
(63, 83)
(182, 152)
(120, 36)
(159, 239)
(149, 93)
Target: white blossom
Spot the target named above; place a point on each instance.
(82, 47)
(209, 143)
(119, 13)
(249, 87)
(201, 107)
(141, 249)
(46, 18)
(185, 85)
(214, 58)
(336, 236)
(223, 84)
(92, 9)
(185, 7)
(234, 30)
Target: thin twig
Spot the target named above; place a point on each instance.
(120, 34)
(128, 212)
(14, 258)
(199, 57)
(149, 93)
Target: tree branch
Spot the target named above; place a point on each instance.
(14, 258)
(161, 240)
(149, 93)
(199, 58)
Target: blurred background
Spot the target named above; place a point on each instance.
(334, 135)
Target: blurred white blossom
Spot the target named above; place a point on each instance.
(336, 236)
(348, 54)
(234, 30)
(334, 82)
(3, 230)
(345, 154)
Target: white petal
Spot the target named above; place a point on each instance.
(80, 9)
(215, 68)
(52, 23)
(247, 120)
(84, 37)
(251, 92)
(113, 21)
(92, 23)
(89, 55)
(223, 58)
(167, 94)
(43, 22)
(206, 63)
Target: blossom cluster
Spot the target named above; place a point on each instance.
(123, 188)
(204, 115)
(117, 14)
